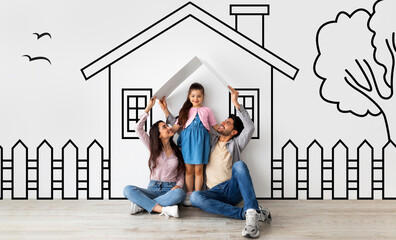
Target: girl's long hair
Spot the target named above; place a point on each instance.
(183, 114)
(156, 148)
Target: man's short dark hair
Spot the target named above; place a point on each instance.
(238, 124)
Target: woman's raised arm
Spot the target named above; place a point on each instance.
(140, 124)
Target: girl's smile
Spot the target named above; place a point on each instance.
(196, 98)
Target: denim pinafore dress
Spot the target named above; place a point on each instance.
(195, 142)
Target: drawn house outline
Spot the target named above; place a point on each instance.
(187, 11)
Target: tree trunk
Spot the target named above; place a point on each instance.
(389, 114)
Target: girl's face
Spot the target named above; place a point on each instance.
(196, 98)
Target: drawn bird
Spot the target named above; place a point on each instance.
(36, 58)
(40, 35)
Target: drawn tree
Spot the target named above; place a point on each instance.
(356, 62)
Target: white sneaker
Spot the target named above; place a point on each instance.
(251, 229)
(265, 215)
(187, 201)
(135, 208)
(171, 211)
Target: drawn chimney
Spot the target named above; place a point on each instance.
(247, 15)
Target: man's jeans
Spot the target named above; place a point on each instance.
(221, 198)
(157, 192)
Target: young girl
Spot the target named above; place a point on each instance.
(195, 120)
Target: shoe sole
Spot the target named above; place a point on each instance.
(268, 219)
(254, 236)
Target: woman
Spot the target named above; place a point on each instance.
(166, 165)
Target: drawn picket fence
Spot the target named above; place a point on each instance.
(315, 177)
(45, 177)
(339, 177)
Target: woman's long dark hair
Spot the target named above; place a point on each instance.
(156, 148)
(183, 114)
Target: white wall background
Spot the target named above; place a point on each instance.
(41, 101)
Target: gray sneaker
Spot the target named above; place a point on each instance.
(135, 208)
(265, 215)
(251, 229)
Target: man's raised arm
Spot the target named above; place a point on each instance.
(243, 139)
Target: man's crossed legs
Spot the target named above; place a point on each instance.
(221, 200)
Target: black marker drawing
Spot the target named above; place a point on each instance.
(356, 61)
(37, 58)
(189, 12)
(250, 10)
(134, 101)
(69, 177)
(338, 176)
(40, 35)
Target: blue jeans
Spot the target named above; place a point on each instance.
(221, 198)
(157, 192)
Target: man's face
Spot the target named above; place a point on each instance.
(226, 127)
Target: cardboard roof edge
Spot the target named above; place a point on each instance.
(180, 76)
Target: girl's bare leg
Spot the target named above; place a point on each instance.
(198, 176)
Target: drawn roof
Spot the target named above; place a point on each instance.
(189, 10)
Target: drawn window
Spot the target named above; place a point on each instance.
(250, 99)
(134, 101)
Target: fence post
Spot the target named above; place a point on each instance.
(365, 176)
(19, 171)
(290, 156)
(45, 171)
(340, 168)
(315, 170)
(389, 169)
(95, 171)
(69, 171)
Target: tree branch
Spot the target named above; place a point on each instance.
(372, 96)
(392, 53)
(373, 80)
(393, 63)
(370, 88)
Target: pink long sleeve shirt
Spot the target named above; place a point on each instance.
(205, 115)
(166, 169)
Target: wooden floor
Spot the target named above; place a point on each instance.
(106, 219)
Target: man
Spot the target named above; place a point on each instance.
(227, 177)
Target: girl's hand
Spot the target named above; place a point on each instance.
(150, 104)
(175, 187)
(164, 106)
(215, 127)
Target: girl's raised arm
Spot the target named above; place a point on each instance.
(215, 127)
(175, 128)
(212, 120)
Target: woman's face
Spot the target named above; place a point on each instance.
(164, 131)
(196, 98)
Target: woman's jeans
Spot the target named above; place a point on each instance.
(157, 192)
